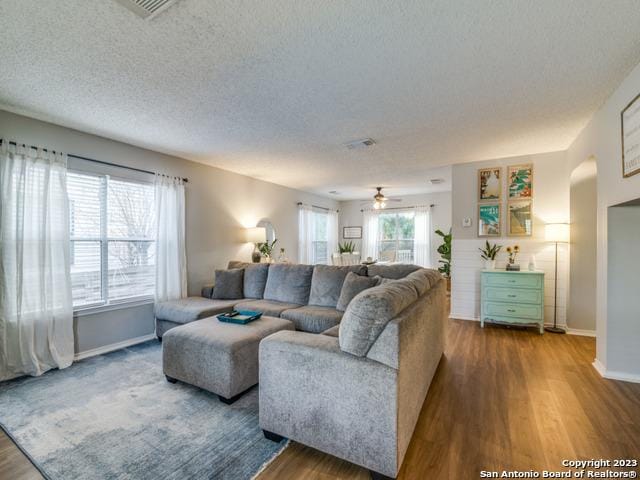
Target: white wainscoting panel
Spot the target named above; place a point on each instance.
(465, 274)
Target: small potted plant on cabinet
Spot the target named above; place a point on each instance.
(488, 253)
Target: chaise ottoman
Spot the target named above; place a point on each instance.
(217, 356)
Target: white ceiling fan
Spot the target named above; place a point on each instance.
(380, 200)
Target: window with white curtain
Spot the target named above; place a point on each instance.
(320, 237)
(396, 232)
(112, 232)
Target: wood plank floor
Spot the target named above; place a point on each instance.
(502, 398)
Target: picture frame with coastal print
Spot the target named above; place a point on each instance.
(630, 128)
(520, 179)
(489, 184)
(489, 220)
(520, 218)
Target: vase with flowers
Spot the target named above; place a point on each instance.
(513, 253)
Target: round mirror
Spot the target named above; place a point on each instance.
(268, 226)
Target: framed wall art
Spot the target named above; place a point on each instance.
(520, 178)
(630, 121)
(489, 184)
(352, 232)
(489, 220)
(520, 218)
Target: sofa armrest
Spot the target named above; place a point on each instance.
(316, 394)
(207, 291)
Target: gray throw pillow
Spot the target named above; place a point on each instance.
(327, 281)
(352, 286)
(255, 279)
(228, 284)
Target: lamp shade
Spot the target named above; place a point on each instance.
(556, 232)
(256, 235)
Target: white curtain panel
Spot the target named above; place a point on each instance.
(306, 234)
(332, 234)
(36, 309)
(171, 257)
(370, 240)
(422, 235)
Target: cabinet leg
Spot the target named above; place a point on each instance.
(541, 328)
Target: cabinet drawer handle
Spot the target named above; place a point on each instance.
(512, 296)
(511, 310)
(512, 281)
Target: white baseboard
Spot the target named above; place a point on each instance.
(114, 346)
(453, 316)
(570, 331)
(621, 376)
(580, 332)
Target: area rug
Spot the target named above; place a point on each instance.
(116, 417)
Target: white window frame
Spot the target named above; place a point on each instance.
(105, 304)
(396, 240)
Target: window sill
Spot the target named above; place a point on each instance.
(84, 311)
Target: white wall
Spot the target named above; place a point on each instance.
(550, 204)
(584, 226)
(601, 138)
(219, 205)
(351, 216)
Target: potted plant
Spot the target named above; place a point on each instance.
(346, 247)
(266, 249)
(488, 253)
(445, 256)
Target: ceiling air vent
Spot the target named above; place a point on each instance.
(147, 9)
(362, 143)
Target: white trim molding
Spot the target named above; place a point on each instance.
(113, 347)
(621, 376)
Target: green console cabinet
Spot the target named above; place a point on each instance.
(512, 297)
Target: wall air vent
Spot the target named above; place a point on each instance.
(147, 9)
(362, 143)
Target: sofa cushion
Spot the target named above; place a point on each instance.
(255, 280)
(395, 271)
(333, 331)
(228, 284)
(267, 307)
(370, 311)
(312, 318)
(424, 279)
(189, 309)
(352, 286)
(289, 283)
(326, 283)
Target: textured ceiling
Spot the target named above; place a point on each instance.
(273, 89)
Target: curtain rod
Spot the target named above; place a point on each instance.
(102, 162)
(318, 207)
(403, 208)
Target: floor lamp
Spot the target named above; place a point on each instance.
(556, 233)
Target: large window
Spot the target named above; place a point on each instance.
(112, 228)
(320, 237)
(396, 233)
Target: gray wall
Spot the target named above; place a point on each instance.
(582, 283)
(601, 139)
(550, 192)
(219, 205)
(351, 215)
(623, 302)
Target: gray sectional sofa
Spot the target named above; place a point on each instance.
(349, 383)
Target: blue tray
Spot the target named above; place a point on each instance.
(243, 317)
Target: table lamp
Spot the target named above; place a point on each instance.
(256, 235)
